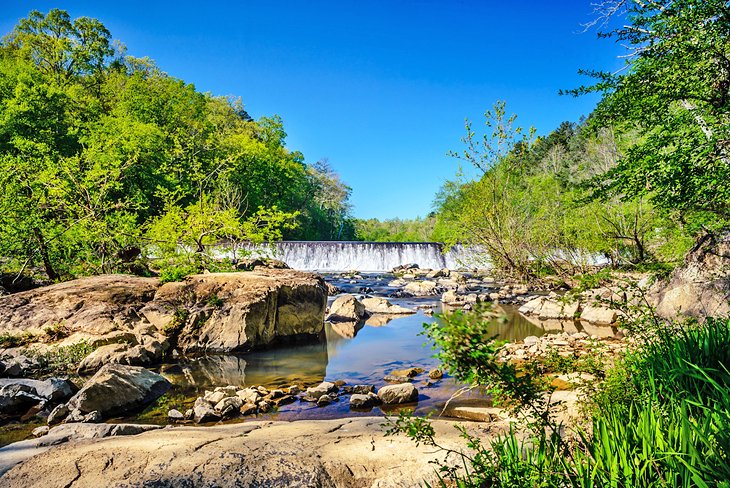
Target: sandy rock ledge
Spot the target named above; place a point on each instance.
(327, 453)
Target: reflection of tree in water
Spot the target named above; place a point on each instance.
(305, 364)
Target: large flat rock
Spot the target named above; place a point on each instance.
(326, 453)
(96, 305)
(217, 312)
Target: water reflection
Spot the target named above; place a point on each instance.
(358, 353)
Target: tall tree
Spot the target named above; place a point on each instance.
(676, 90)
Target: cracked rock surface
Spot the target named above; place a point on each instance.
(319, 453)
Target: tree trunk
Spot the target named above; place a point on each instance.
(43, 249)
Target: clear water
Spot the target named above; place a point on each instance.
(364, 355)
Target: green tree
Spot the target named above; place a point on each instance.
(676, 91)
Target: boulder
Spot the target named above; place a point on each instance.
(224, 312)
(52, 389)
(422, 288)
(175, 415)
(323, 388)
(203, 412)
(346, 308)
(701, 286)
(369, 400)
(380, 305)
(598, 315)
(16, 399)
(400, 393)
(117, 389)
(437, 273)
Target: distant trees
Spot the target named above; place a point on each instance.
(532, 207)
(396, 230)
(101, 153)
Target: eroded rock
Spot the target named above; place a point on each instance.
(117, 389)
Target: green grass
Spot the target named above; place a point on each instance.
(661, 419)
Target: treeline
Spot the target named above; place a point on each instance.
(395, 230)
(104, 157)
(634, 184)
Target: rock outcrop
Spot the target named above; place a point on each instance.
(224, 312)
(701, 286)
(87, 307)
(139, 319)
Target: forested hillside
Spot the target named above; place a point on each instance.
(104, 156)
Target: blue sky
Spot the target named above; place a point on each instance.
(381, 89)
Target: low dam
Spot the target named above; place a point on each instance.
(365, 256)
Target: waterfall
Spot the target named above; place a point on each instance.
(362, 256)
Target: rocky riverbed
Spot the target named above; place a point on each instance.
(199, 352)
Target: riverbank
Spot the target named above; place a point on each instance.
(328, 453)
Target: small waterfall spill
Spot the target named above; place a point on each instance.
(361, 256)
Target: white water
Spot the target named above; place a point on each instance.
(363, 256)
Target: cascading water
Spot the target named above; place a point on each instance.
(362, 256)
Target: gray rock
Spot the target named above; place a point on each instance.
(249, 395)
(17, 398)
(229, 406)
(364, 401)
(117, 389)
(58, 414)
(346, 308)
(324, 400)
(40, 431)
(401, 393)
(52, 389)
(175, 415)
(204, 413)
(323, 388)
(18, 366)
(93, 417)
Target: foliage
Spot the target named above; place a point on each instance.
(395, 230)
(660, 419)
(98, 149)
(676, 91)
(17, 340)
(466, 346)
(56, 359)
(531, 209)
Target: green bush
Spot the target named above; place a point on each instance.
(660, 419)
